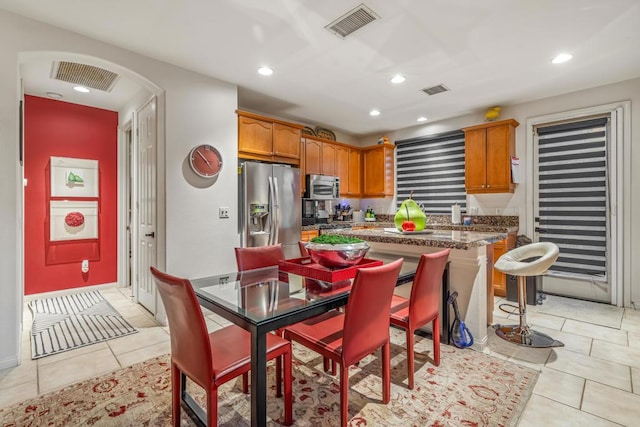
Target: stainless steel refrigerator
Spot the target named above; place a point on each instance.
(270, 208)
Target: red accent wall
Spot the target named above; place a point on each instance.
(61, 129)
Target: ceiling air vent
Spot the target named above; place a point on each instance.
(435, 89)
(352, 21)
(84, 75)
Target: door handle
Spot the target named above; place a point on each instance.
(152, 234)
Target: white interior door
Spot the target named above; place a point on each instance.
(145, 202)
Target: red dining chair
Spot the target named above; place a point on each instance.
(346, 338)
(210, 359)
(422, 305)
(258, 257)
(303, 249)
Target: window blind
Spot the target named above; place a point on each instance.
(572, 195)
(433, 168)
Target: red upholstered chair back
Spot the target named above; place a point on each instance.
(425, 292)
(190, 345)
(366, 323)
(303, 249)
(258, 257)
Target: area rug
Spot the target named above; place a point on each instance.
(469, 388)
(71, 321)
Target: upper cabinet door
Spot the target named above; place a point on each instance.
(286, 141)
(342, 166)
(378, 171)
(475, 160)
(254, 136)
(312, 152)
(329, 159)
(355, 180)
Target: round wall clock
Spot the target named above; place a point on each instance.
(205, 161)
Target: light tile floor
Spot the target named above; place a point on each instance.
(594, 380)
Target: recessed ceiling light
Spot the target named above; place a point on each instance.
(54, 95)
(81, 89)
(265, 71)
(398, 78)
(422, 119)
(374, 113)
(563, 57)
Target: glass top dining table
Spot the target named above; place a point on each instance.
(263, 300)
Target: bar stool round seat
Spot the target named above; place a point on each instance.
(517, 262)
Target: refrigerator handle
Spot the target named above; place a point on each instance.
(276, 209)
(272, 212)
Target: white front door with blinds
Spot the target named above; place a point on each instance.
(571, 206)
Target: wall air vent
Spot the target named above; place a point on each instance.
(352, 21)
(435, 90)
(84, 75)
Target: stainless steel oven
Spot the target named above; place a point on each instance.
(322, 187)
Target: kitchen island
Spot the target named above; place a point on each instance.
(471, 265)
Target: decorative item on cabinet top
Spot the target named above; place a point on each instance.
(308, 131)
(492, 114)
(325, 133)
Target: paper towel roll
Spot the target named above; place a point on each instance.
(455, 214)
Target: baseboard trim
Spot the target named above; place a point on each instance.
(10, 362)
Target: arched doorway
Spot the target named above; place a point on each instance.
(130, 96)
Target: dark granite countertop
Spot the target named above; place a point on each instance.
(479, 228)
(453, 239)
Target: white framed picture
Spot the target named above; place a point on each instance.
(74, 177)
(73, 220)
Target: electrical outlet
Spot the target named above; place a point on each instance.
(224, 212)
(473, 210)
(498, 211)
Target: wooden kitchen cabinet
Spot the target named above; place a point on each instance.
(499, 278)
(488, 151)
(355, 173)
(329, 159)
(312, 156)
(263, 138)
(378, 174)
(348, 170)
(307, 235)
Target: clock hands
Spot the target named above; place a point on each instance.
(204, 158)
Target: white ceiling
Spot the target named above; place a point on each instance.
(493, 52)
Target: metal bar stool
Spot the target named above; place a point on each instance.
(513, 262)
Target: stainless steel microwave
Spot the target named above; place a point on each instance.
(322, 187)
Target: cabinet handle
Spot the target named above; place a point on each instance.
(482, 185)
(488, 186)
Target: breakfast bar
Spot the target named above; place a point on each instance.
(471, 264)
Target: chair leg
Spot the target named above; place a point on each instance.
(288, 390)
(410, 357)
(325, 364)
(344, 395)
(212, 406)
(386, 372)
(436, 340)
(245, 383)
(278, 376)
(175, 394)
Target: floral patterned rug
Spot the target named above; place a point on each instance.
(469, 388)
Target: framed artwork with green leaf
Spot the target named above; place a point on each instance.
(74, 177)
